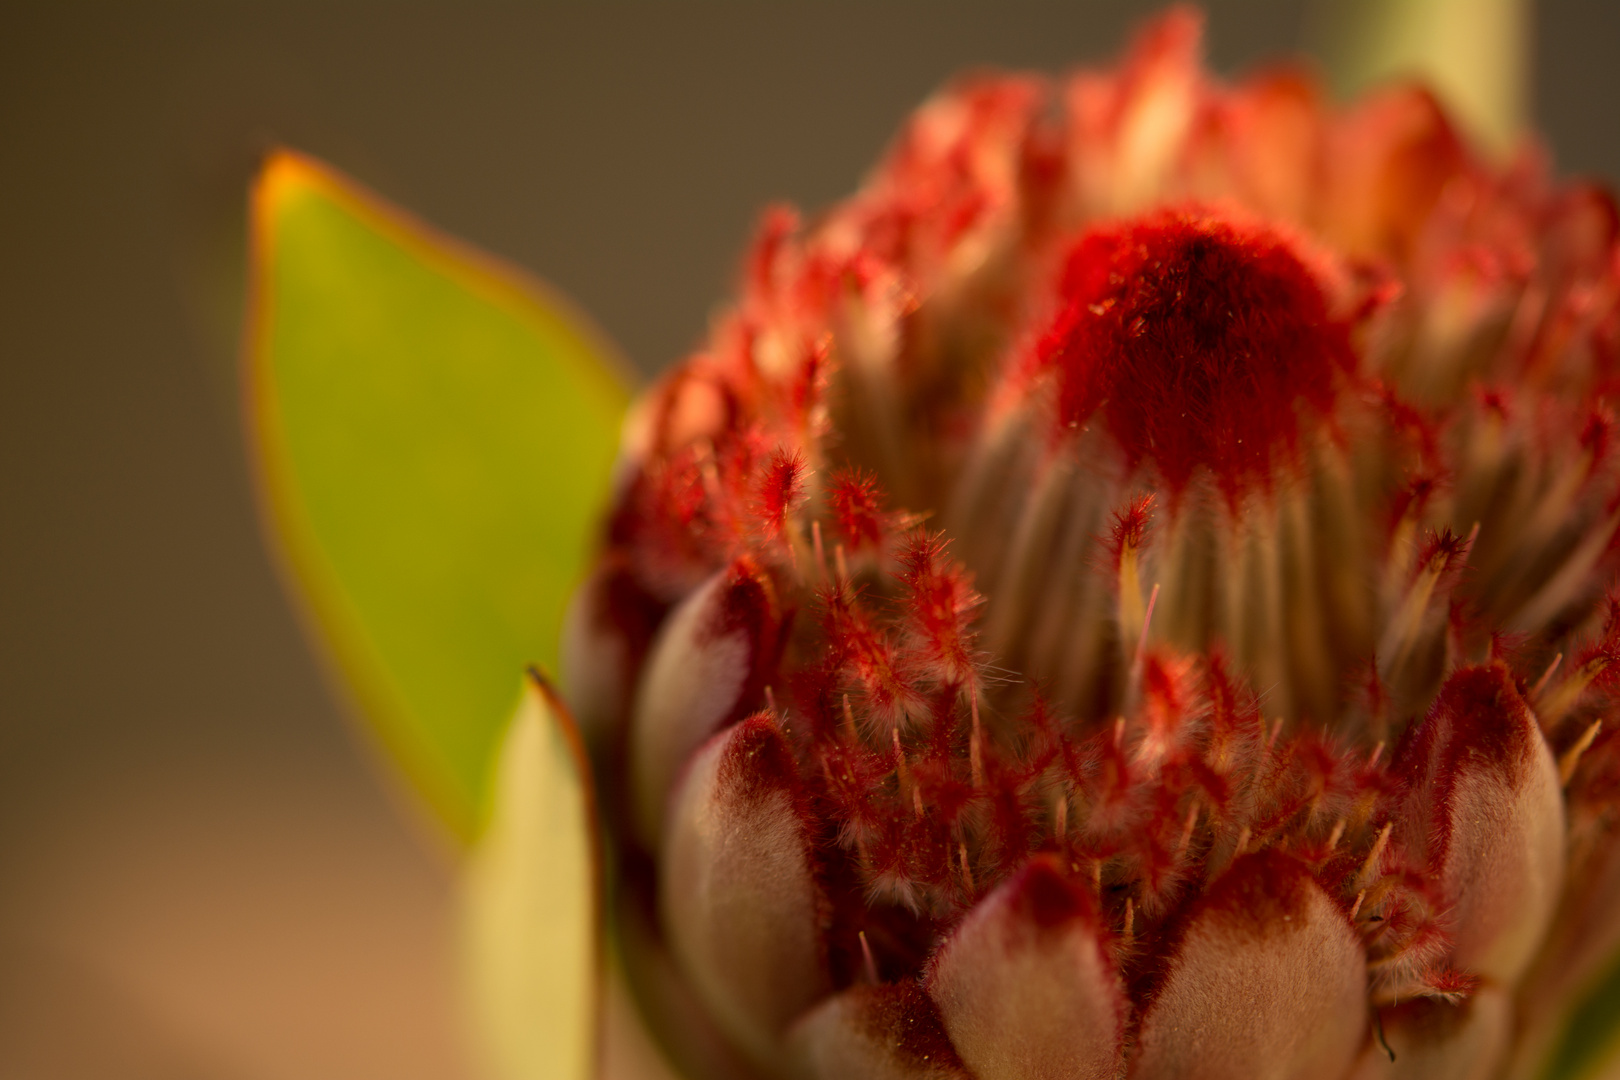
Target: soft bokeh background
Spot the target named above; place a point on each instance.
(202, 872)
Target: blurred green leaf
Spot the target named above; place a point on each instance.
(1475, 53)
(434, 438)
(1589, 1048)
(531, 922)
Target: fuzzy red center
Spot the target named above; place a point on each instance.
(1199, 338)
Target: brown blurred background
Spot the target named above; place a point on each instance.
(201, 872)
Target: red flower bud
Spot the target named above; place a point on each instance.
(1128, 592)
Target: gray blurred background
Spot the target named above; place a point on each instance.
(202, 873)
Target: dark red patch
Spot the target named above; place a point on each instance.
(903, 1018)
(1261, 894)
(1200, 339)
(1479, 720)
(1597, 437)
(749, 605)
(758, 762)
(1047, 896)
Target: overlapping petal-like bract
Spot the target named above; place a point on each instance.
(1127, 593)
(1027, 985)
(738, 892)
(1268, 981)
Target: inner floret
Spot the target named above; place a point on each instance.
(1200, 338)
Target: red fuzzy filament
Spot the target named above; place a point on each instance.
(1198, 338)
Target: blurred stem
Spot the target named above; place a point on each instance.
(1475, 53)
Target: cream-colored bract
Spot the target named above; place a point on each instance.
(530, 924)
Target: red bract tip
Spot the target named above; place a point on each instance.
(1048, 897)
(1443, 551)
(1493, 400)
(864, 657)
(1412, 499)
(1419, 431)
(776, 227)
(758, 761)
(939, 614)
(1232, 709)
(858, 507)
(1451, 985)
(1478, 717)
(781, 488)
(1197, 336)
(1130, 527)
(1166, 694)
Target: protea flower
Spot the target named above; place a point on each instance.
(1127, 594)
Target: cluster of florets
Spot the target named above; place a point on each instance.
(1110, 495)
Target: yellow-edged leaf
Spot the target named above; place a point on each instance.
(531, 923)
(433, 436)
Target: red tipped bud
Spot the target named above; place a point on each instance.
(1060, 796)
(705, 668)
(1026, 986)
(1269, 981)
(1130, 528)
(781, 490)
(1485, 809)
(736, 887)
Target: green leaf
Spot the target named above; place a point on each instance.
(531, 902)
(433, 437)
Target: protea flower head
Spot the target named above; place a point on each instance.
(1127, 594)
